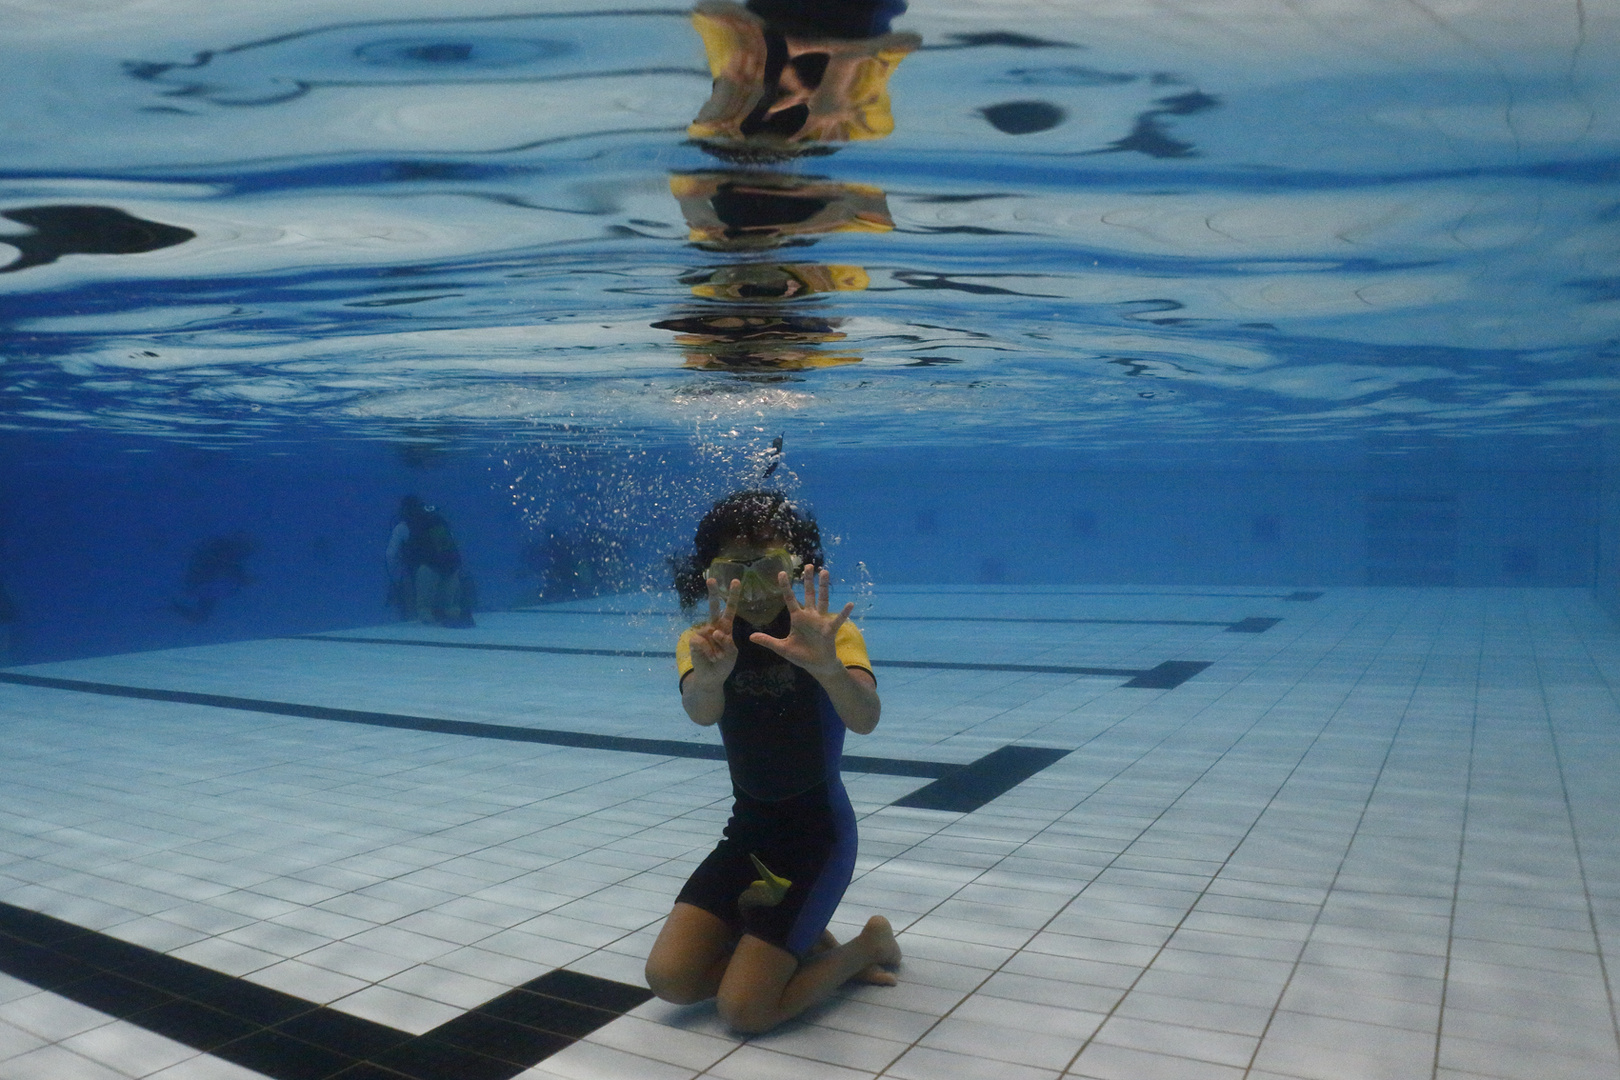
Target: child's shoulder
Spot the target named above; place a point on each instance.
(850, 645)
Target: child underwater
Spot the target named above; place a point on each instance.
(783, 678)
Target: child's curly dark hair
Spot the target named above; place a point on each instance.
(752, 517)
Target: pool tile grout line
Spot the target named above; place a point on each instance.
(1338, 870)
(1603, 960)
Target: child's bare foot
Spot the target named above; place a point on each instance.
(876, 976)
(878, 940)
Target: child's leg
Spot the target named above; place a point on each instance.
(763, 985)
(690, 956)
(875, 974)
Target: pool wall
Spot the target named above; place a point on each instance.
(96, 540)
(1606, 538)
(1034, 518)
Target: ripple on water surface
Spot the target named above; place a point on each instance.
(956, 223)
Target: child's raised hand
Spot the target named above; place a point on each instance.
(812, 632)
(714, 652)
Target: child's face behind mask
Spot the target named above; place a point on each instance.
(757, 565)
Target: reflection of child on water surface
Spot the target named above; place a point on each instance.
(789, 74)
(784, 678)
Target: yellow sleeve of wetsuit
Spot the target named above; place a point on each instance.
(683, 655)
(851, 647)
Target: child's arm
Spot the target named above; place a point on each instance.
(713, 655)
(812, 643)
(703, 704)
(853, 693)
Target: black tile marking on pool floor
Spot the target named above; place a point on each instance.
(510, 733)
(993, 775)
(1252, 625)
(1165, 676)
(1156, 678)
(287, 1038)
(857, 763)
(476, 729)
(1168, 675)
(480, 646)
(1244, 623)
(670, 613)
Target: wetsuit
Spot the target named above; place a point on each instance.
(422, 553)
(784, 741)
(428, 543)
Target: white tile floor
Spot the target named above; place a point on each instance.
(1380, 840)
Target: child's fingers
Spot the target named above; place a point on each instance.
(824, 597)
(714, 600)
(733, 599)
(713, 642)
(843, 616)
(784, 581)
(773, 644)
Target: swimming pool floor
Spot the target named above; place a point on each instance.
(1375, 837)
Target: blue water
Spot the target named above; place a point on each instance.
(1286, 295)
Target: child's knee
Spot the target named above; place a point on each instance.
(746, 1015)
(674, 985)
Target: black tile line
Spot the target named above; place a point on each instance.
(964, 618)
(1251, 625)
(945, 618)
(1297, 595)
(959, 787)
(664, 613)
(287, 1038)
(1035, 619)
(558, 650)
(474, 729)
(1043, 619)
(1166, 676)
(992, 776)
(1158, 677)
(509, 733)
(1058, 590)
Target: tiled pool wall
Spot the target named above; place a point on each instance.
(1606, 573)
(1239, 518)
(96, 540)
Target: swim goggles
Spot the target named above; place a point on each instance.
(757, 575)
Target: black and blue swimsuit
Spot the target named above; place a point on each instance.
(784, 741)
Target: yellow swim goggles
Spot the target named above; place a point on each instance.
(757, 574)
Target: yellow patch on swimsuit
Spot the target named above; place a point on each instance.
(768, 891)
